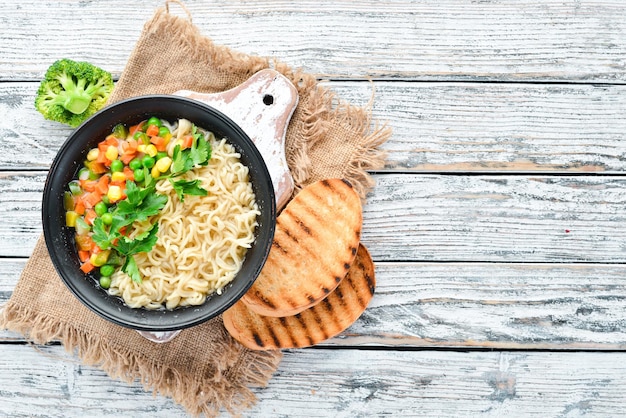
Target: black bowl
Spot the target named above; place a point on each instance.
(60, 239)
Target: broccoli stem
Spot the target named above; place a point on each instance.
(75, 98)
(77, 103)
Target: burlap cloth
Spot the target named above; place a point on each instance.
(203, 369)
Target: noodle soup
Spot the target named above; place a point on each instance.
(164, 214)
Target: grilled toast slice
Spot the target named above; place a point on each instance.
(332, 315)
(316, 240)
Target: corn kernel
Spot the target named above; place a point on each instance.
(112, 153)
(114, 193)
(141, 148)
(70, 218)
(151, 150)
(163, 164)
(118, 176)
(93, 154)
(155, 172)
(166, 138)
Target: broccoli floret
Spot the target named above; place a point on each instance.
(72, 91)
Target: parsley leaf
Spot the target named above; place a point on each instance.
(181, 163)
(200, 151)
(130, 268)
(190, 187)
(184, 160)
(143, 243)
(128, 247)
(100, 235)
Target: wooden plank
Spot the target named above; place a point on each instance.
(491, 305)
(488, 127)
(439, 127)
(506, 40)
(468, 305)
(496, 218)
(342, 383)
(433, 218)
(20, 209)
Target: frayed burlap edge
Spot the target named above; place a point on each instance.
(318, 105)
(190, 392)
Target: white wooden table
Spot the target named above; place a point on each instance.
(497, 224)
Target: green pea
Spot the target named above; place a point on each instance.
(154, 121)
(107, 270)
(107, 218)
(160, 155)
(116, 166)
(100, 208)
(147, 161)
(105, 282)
(106, 200)
(139, 174)
(135, 163)
(163, 130)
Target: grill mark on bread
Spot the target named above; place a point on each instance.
(258, 340)
(371, 286)
(328, 307)
(305, 238)
(287, 328)
(326, 319)
(276, 244)
(319, 322)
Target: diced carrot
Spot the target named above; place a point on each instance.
(187, 142)
(102, 158)
(127, 157)
(90, 215)
(111, 140)
(91, 199)
(83, 255)
(79, 207)
(159, 143)
(95, 249)
(103, 185)
(129, 174)
(87, 267)
(88, 185)
(152, 130)
(133, 129)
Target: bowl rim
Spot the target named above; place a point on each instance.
(144, 319)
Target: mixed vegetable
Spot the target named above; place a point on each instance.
(116, 187)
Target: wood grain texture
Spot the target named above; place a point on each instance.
(427, 40)
(434, 218)
(437, 127)
(484, 305)
(38, 381)
(496, 218)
